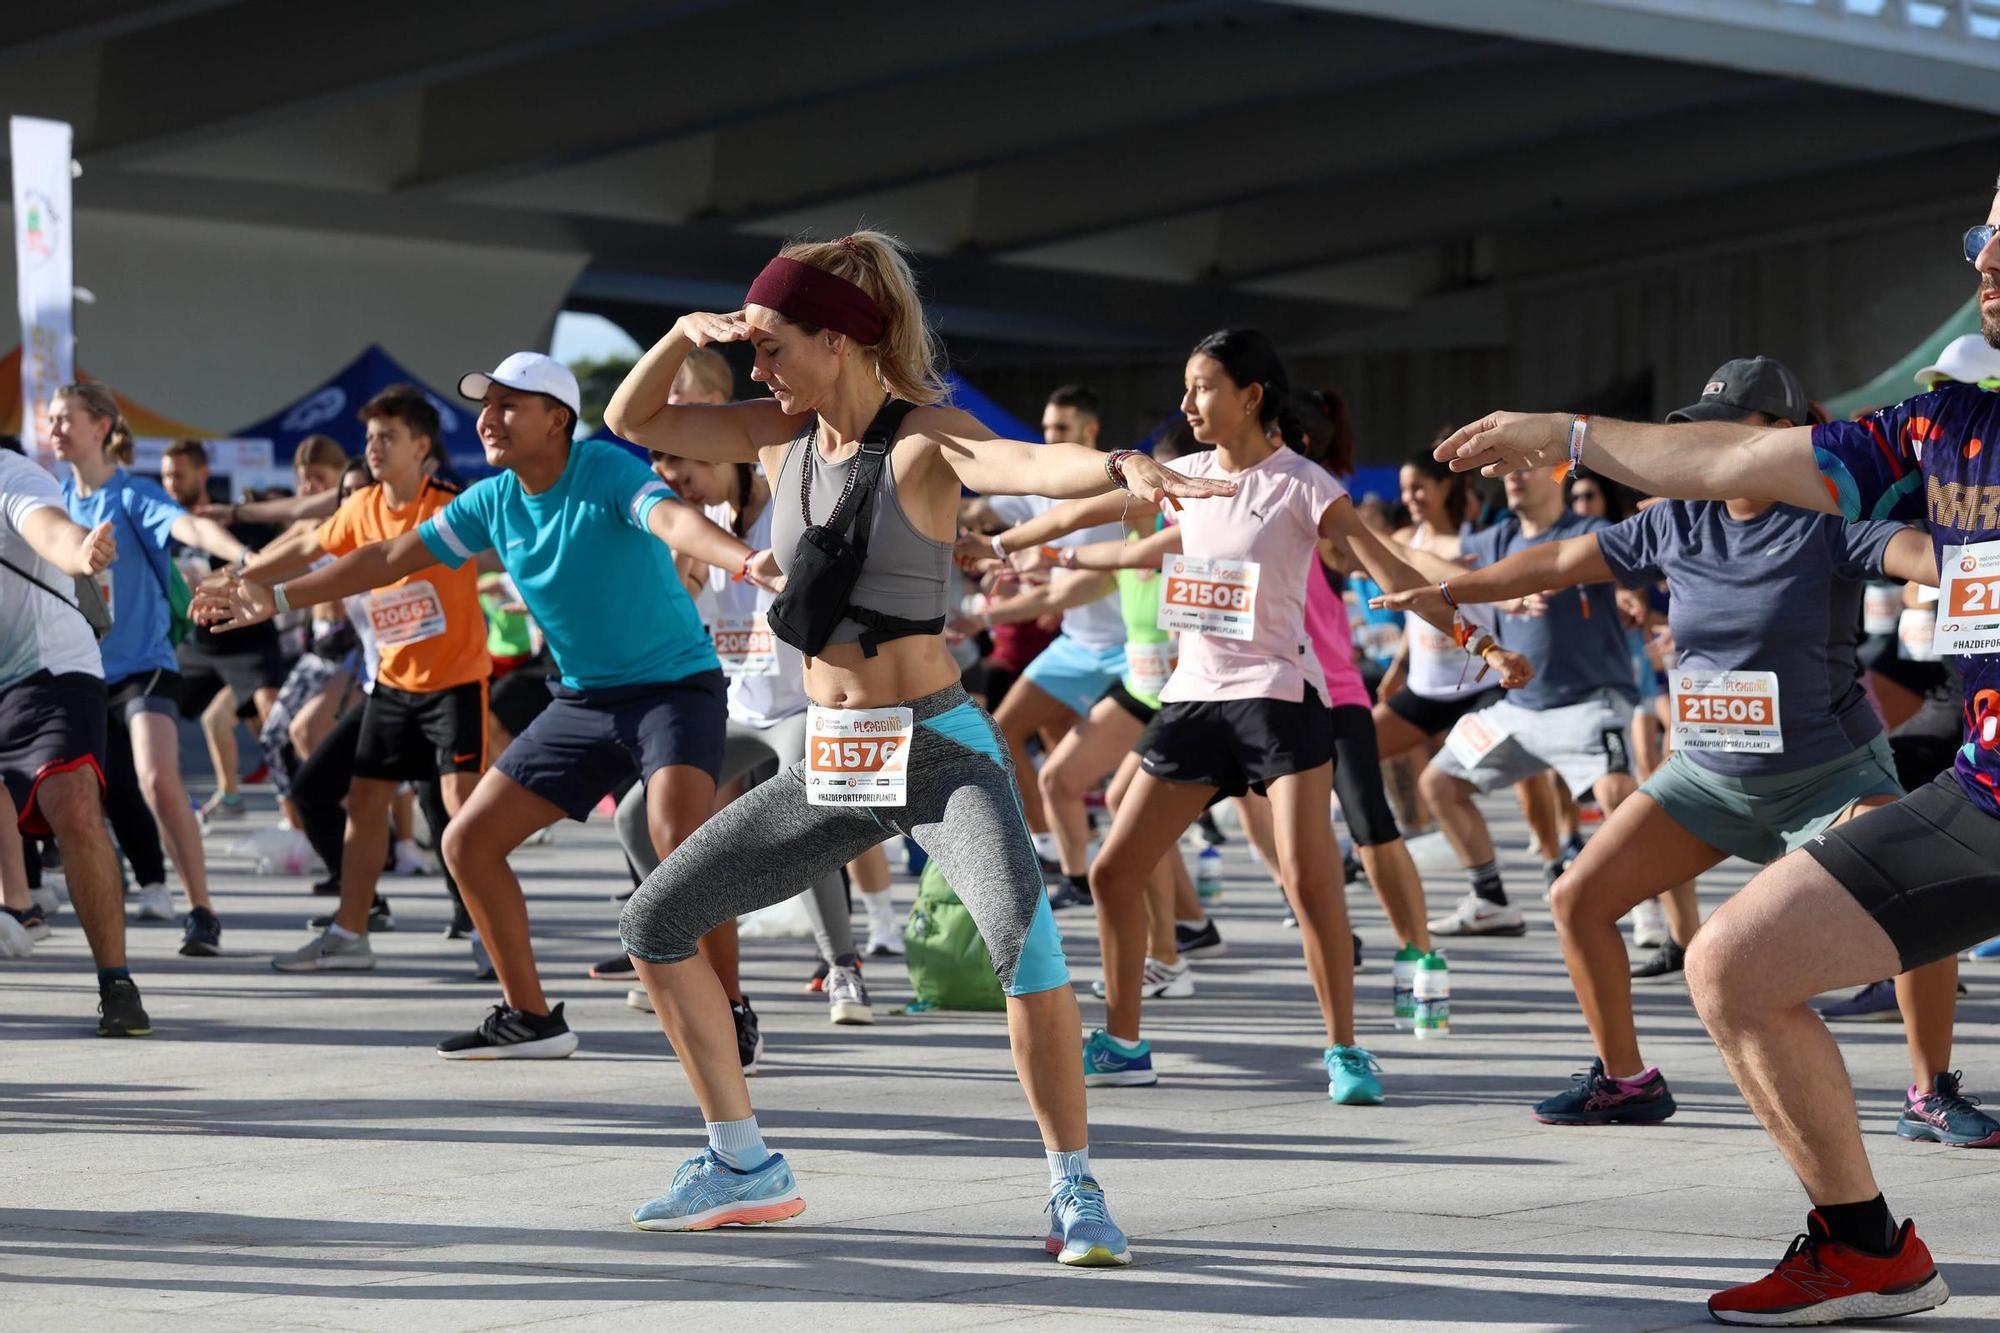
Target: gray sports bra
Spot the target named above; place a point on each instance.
(905, 573)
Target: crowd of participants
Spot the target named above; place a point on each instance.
(786, 639)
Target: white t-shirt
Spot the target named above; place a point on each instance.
(38, 632)
(755, 701)
(1098, 624)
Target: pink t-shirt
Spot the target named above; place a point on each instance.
(1333, 640)
(1273, 522)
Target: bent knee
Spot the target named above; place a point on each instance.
(71, 801)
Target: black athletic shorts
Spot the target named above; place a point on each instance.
(1237, 745)
(587, 743)
(521, 697)
(1434, 717)
(48, 725)
(406, 736)
(155, 691)
(1357, 778)
(1927, 869)
(256, 663)
(1121, 696)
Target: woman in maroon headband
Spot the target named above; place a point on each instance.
(894, 745)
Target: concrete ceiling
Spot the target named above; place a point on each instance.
(1097, 177)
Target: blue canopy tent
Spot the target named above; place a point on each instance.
(329, 410)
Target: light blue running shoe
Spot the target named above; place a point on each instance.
(1105, 1066)
(1988, 950)
(1350, 1073)
(1081, 1232)
(709, 1193)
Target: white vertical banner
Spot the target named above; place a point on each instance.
(44, 272)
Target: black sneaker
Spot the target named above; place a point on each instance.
(816, 983)
(461, 923)
(1553, 871)
(1068, 895)
(1574, 847)
(1357, 953)
(380, 919)
(119, 1013)
(510, 1034)
(1351, 870)
(1203, 941)
(201, 934)
(749, 1037)
(1593, 1099)
(621, 968)
(1211, 834)
(1667, 960)
(328, 887)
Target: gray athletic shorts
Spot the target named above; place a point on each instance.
(1582, 742)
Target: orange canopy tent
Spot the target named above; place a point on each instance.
(144, 422)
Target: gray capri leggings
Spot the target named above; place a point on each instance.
(744, 748)
(963, 811)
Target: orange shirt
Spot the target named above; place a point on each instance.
(430, 626)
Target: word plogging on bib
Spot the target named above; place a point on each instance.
(1968, 609)
(745, 645)
(1210, 596)
(1151, 664)
(1473, 738)
(1732, 711)
(409, 614)
(858, 756)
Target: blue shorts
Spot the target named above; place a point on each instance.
(587, 743)
(1075, 676)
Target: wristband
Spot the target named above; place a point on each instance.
(1114, 467)
(1068, 556)
(1579, 427)
(743, 572)
(1444, 591)
(999, 546)
(243, 557)
(279, 600)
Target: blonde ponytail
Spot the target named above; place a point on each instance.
(908, 358)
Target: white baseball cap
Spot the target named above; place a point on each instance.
(1966, 359)
(530, 372)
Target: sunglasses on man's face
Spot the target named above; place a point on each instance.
(1977, 239)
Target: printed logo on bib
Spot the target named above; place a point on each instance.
(858, 756)
(1151, 665)
(409, 614)
(1735, 712)
(745, 645)
(1474, 737)
(1210, 596)
(1968, 609)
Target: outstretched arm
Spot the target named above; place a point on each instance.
(1911, 557)
(1065, 518)
(205, 534)
(985, 462)
(243, 602)
(1548, 567)
(285, 509)
(68, 545)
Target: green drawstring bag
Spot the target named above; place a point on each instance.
(948, 962)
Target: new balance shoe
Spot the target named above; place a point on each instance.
(1351, 1076)
(327, 952)
(1873, 1003)
(1160, 981)
(380, 919)
(1081, 1232)
(201, 934)
(707, 1193)
(1203, 941)
(1109, 1063)
(119, 1013)
(1820, 1281)
(33, 921)
(1669, 960)
(749, 1035)
(846, 997)
(1946, 1115)
(1476, 916)
(156, 903)
(510, 1034)
(1595, 1098)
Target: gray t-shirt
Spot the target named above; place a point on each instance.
(1780, 592)
(1578, 646)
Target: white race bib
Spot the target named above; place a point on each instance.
(1732, 711)
(745, 645)
(858, 756)
(104, 586)
(1968, 609)
(409, 614)
(1474, 737)
(1881, 607)
(1916, 634)
(1210, 596)
(1150, 665)
(1378, 639)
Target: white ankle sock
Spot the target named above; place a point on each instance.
(1063, 1165)
(739, 1143)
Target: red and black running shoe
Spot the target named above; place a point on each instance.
(1820, 1281)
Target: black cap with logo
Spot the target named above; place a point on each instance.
(1752, 384)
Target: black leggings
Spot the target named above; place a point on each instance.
(1357, 778)
(131, 818)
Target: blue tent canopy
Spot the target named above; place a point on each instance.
(329, 410)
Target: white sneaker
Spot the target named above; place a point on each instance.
(156, 903)
(846, 998)
(408, 860)
(45, 898)
(14, 939)
(1161, 981)
(327, 952)
(1475, 916)
(1649, 925)
(884, 944)
(638, 999)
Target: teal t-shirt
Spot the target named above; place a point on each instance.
(600, 585)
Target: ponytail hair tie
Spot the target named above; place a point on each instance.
(847, 243)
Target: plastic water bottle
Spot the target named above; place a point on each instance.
(1403, 985)
(1431, 992)
(1208, 875)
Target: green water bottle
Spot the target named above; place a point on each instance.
(1431, 991)
(1403, 979)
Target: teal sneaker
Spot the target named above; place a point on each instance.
(1081, 1232)
(1105, 1066)
(1350, 1073)
(708, 1193)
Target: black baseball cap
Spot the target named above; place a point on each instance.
(1751, 384)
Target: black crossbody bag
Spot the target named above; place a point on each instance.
(89, 602)
(829, 558)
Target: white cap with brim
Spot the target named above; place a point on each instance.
(530, 372)
(1967, 359)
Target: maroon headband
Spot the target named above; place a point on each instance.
(815, 296)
